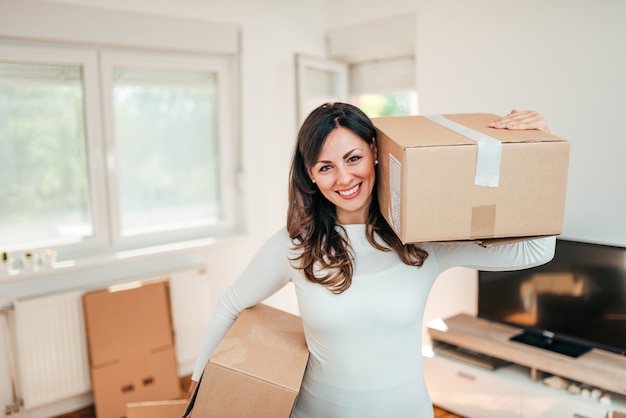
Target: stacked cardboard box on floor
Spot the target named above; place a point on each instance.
(131, 346)
(452, 178)
(257, 369)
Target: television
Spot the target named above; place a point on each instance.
(569, 305)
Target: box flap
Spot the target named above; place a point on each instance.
(419, 131)
(125, 322)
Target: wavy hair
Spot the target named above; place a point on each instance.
(324, 254)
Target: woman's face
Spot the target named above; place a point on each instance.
(344, 173)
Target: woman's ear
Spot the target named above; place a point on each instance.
(374, 149)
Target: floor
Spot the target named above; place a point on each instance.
(442, 413)
(184, 384)
(90, 413)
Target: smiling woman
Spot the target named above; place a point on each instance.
(361, 292)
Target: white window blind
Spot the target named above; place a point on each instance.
(387, 75)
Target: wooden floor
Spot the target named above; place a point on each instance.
(184, 384)
(442, 413)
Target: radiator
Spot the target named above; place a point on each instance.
(51, 350)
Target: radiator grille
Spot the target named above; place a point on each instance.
(51, 353)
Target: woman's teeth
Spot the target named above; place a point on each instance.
(351, 191)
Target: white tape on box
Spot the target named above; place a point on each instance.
(489, 151)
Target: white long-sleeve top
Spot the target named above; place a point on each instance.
(365, 343)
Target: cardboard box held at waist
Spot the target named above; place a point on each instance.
(452, 178)
(257, 369)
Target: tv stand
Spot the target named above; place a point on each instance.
(476, 369)
(551, 343)
(471, 357)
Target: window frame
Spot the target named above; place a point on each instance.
(103, 201)
(88, 60)
(305, 63)
(225, 130)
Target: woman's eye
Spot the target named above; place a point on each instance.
(354, 159)
(325, 168)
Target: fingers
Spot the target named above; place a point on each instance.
(525, 119)
(192, 388)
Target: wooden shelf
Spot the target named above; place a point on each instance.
(598, 368)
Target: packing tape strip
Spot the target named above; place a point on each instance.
(489, 151)
(483, 221)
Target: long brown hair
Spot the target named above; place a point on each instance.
(323, 252)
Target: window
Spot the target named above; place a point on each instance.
(106, 150)
(45, 189)
(384, 87)
(163, 129)
(319, 81)
(166, 149)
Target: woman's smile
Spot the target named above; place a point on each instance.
(350, 193)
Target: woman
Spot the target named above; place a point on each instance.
(360, 291)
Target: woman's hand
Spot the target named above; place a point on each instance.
(192, 388)
(525, 119)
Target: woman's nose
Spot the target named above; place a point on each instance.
(344, 176)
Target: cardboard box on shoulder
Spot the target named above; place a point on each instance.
(130, 338)
(452, 178)
(257, 369)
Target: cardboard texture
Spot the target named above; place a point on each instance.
(429, 180)
(130, 339)
(156, 409)
(257, 369)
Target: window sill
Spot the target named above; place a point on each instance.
(106, 260)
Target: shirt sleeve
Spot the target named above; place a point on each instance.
(512, 256)
(268, 271)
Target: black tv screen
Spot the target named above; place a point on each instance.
(574, 303)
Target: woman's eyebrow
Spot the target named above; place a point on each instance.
(346, 155)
